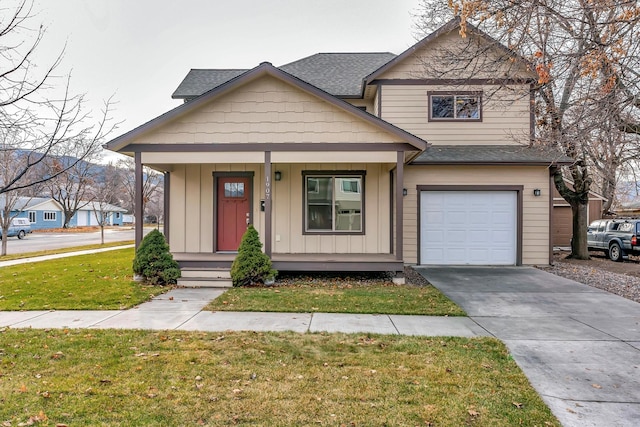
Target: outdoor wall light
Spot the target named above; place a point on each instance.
(277, 175)
(404, 192)
(537, 192)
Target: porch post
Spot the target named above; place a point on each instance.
(138, 214)
(267, 203)
(399, 204)
(166, 204)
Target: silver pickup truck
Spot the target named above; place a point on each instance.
(617, 238)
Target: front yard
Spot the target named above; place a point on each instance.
(101, 281)
(123, 378)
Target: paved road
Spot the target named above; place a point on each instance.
(47, 241)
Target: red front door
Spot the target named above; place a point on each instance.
(233, 212)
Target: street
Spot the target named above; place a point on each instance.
(47, 241)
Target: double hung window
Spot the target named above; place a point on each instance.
(333, 202)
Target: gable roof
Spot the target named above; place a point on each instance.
(490, 155)
(340, 74)
(106, 207)
(452, 25)
(27, 203)
(264, 69)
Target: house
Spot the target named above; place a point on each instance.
(91, 212)
(42, 212)
(45, 213)
(354, 161)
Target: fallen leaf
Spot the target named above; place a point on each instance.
(598, 386)
(473, 412)
(518, 405)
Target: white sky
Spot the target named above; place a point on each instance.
(140, 50)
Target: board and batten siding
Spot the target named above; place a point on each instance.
(505, 115)
(267, 110)
(535, 233)
(192, 209)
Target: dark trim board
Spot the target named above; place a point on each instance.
(223, 147)
(519, 209)
(451, 82)
(300, 262)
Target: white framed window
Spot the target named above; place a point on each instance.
(32, 217)
(459, 106)
(333, 202)
(50, 215)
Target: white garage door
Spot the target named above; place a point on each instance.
(468, 227)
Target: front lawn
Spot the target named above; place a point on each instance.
(101, 281)
(64, 250)
(124, 378)
(375, 297)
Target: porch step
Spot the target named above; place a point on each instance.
(194, 277)
(212, 273)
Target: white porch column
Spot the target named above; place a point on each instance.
(267, 203)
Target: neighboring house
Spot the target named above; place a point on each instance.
(42, 212)
(89, 214)
(353, 161)
(562, 219)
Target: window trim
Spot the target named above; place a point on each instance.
(35, 217)
(431, 94)
(334, 174)
(54, 213)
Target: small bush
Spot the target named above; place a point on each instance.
(251, 266)
(154, 262)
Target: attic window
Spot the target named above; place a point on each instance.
(459, 106)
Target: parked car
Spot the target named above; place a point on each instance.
(19, 227)
(617, 238)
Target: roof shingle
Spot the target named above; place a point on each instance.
(339, 74)
(490, 154)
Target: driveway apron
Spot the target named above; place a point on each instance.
(579, 346)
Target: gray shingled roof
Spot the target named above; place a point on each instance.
(340, 74)
(490, 154)
(199, 81)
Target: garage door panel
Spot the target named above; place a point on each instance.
(468, 227)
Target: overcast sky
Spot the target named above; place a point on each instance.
(140, 50)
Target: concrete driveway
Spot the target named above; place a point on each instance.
(579, 346)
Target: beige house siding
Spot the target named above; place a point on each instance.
(192, 209)
(535, 249)
(267, 110)
(505, 115)
(433, 59)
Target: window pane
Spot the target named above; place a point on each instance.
(442, 107)
(348, 209)
(467, 107)
(234, 189)
(319, 199)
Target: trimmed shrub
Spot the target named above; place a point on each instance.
(251, 266)
(154, 262)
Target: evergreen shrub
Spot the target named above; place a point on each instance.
(154, 262)
(251, 266)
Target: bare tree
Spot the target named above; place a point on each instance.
(151, 180)
(104, 194)
(49, 117)
(586, 63)
(71, 188)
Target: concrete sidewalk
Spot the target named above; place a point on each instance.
(181, 309)
(579, 346)
(60, 255)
